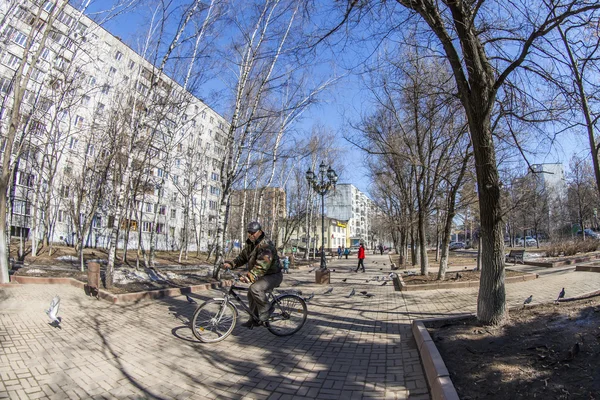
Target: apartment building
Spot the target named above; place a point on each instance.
(102, 133)
(347, 203)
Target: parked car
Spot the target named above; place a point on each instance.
(589, 233)
(456, 245)
(528, 240)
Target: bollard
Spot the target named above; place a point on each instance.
(396, 280)
(93, 275)
(322, 276)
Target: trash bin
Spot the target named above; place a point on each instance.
(322, 276)
(93, 275)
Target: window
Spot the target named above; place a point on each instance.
(5, 85)
(142, 89)
(177, 162)
(100, 109)
(174, 198)
(85, 100)
(90, 150)
(160, 228)
(97, 222)
(179, 147)
(81, 28)
(68, 43)
(49, 6)
(11, 61)
(214, 176)
(56, 36)
(212, 205)
(146, 226)
(105, 88)
(175, 179)
(64, 191)
(25, 179)
(112, 71)
(118, 56)
(60, 63)
(149, 207)
(162, 210)
(19, 37)
(21, 207)
(92, 80)
(131, 64)
(46, 53)
(65, 18)
(173, 213)
(61, 215)
(79, 121)
(73, 143)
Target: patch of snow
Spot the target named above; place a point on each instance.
(99, 261)
(67, 258)
(124, 276)
(35, 271)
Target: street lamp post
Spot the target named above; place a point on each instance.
(321, 184)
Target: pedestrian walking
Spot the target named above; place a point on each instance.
(346, 252)
(339, 251)
(381, 248)
(361, 258)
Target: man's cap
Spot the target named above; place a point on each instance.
(254, 227)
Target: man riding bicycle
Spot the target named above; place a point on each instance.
(264, 271)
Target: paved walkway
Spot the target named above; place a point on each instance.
(351, 347)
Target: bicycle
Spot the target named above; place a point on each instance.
(216, 318)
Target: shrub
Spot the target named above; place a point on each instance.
(570, 248)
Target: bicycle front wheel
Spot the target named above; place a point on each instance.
(213, 321)
(288, 315)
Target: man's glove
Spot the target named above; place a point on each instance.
(227, 265)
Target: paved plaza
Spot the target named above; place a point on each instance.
(351, 347)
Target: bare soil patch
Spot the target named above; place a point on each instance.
(546, 351)
(462, 276)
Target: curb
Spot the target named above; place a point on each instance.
(436, 373)
(459, 285)
(119, 298)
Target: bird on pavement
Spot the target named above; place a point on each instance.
(458, 275)
(52, 312)
(369, 295)
(561, 295)
(377, 278)
(190, 300)
(384, 283)
(309, 298)
(328, 290)
(363, 292)
(351, 293)
(528, 300)
(573, 351)
(344, 280)
(312, 270)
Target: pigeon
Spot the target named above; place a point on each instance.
(384, 283)
(369, 295)
(528, 300)
(328, 290)
(364, 292)
(309, 298)
(190, 300)
(381, 269)
(377, 278)
(561, 295)
(458, 276)
(312, 270)
(52, 312)
(368, 280)
(351, 293)
(344, 280)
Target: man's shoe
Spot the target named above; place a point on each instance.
(250, 324)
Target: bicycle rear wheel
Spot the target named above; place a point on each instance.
(213, 321)
(288, 315)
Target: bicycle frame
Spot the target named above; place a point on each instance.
(232, 293)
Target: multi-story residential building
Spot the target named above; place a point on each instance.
(336, 234)
(103, 133)
(347, 203)
(550, 178)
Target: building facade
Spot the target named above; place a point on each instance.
(102, 135)
(347, 203)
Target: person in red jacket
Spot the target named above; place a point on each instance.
(361, 258)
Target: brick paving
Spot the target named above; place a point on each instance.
(351, 347)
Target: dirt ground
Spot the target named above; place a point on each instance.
(549, 351)
(462, 276)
